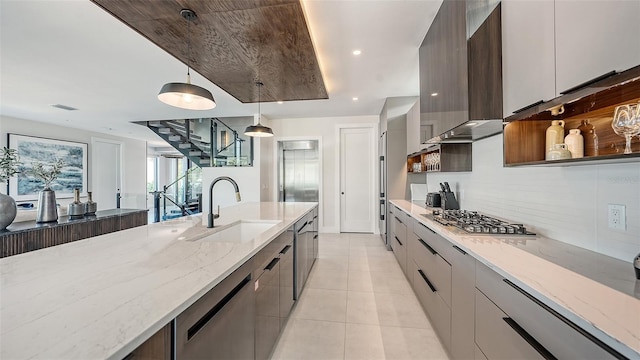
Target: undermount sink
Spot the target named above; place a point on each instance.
(240, 231)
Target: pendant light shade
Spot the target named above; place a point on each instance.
(258, 130)
(186, 95)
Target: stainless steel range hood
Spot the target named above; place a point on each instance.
(469, 131)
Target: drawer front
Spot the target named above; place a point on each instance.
(540, 321)
(434, 306)
(399, 227)
(437, 242)
(400, 252)
(495, 337)
(478, 355)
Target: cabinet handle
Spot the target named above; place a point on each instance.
(315, 237)
(529, 106)
(202, 322)
(302, 227)
(398, 240)
(529, 339)
(400, 221)
(462, 251)
(428, 228)
(570, 323)
(131, 356)
(272, 264)
(589, 82)
(424, 277)
(433, 252)
(285, 249)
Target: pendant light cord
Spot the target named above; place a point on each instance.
(259, 99)
(188, 48)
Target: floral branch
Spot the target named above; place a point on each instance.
(47, 173)
(9, 164)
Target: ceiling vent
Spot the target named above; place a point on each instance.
(64, 107)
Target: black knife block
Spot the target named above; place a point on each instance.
(448, 201)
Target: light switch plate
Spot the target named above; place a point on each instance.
(617, 217)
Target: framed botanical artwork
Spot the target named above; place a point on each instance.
(36, 149)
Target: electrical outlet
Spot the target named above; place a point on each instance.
(617, 217)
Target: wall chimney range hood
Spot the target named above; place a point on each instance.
(461, 60)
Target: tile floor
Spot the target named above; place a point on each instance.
(357, 304)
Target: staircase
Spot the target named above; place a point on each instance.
(179, 135)
(192, 138)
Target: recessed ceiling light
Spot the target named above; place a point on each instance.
(434, 94)
(355, 99)
(357, 52)
(280, 102)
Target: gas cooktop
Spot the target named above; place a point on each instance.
(477, 223)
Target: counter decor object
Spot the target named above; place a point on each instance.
(626, 123)
(559, 152)
(554, 135)
(76, 209)
(575, 143)
(588, 131)
(636, 265)
(90, 207)
(9, 166)
(47, 209)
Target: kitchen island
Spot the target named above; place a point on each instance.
(596, 294)
(102, 297)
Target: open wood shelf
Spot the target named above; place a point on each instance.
(525, 133)
(454, 157)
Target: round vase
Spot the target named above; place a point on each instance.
(575, 143)
(554, 135)
(8, 211)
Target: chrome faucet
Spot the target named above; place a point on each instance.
(211, 214)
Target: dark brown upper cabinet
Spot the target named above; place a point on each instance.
(461, 71)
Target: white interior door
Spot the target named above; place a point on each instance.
(107, 172)
(356, 179)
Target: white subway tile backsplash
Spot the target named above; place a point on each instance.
(563, 203)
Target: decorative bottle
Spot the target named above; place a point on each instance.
(554, 135)
(575, 143)
(588, 131)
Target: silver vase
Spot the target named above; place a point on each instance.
(47, 209)
(8, 211)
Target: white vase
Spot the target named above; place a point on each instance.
(8, 211)
(575, 143)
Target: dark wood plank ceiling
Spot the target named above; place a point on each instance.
(233, 43)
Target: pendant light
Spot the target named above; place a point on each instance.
(186, 95)
(258, 130)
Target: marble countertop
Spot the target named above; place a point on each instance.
(596, 292)
(101, 297)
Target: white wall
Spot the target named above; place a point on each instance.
(566, 203)
(134, 184)
(325, 128)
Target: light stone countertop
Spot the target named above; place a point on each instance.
(602, 301)
(101, 297)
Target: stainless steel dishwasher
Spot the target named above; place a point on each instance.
(221, 324)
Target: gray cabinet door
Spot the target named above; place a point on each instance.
(221, 324)
(301, 255)
(286, 281)
(267, 294)
(463, 280)
(495, 338)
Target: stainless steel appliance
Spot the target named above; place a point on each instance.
(477, 223)
(433, 200)
(382, 181)
(298, 170)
